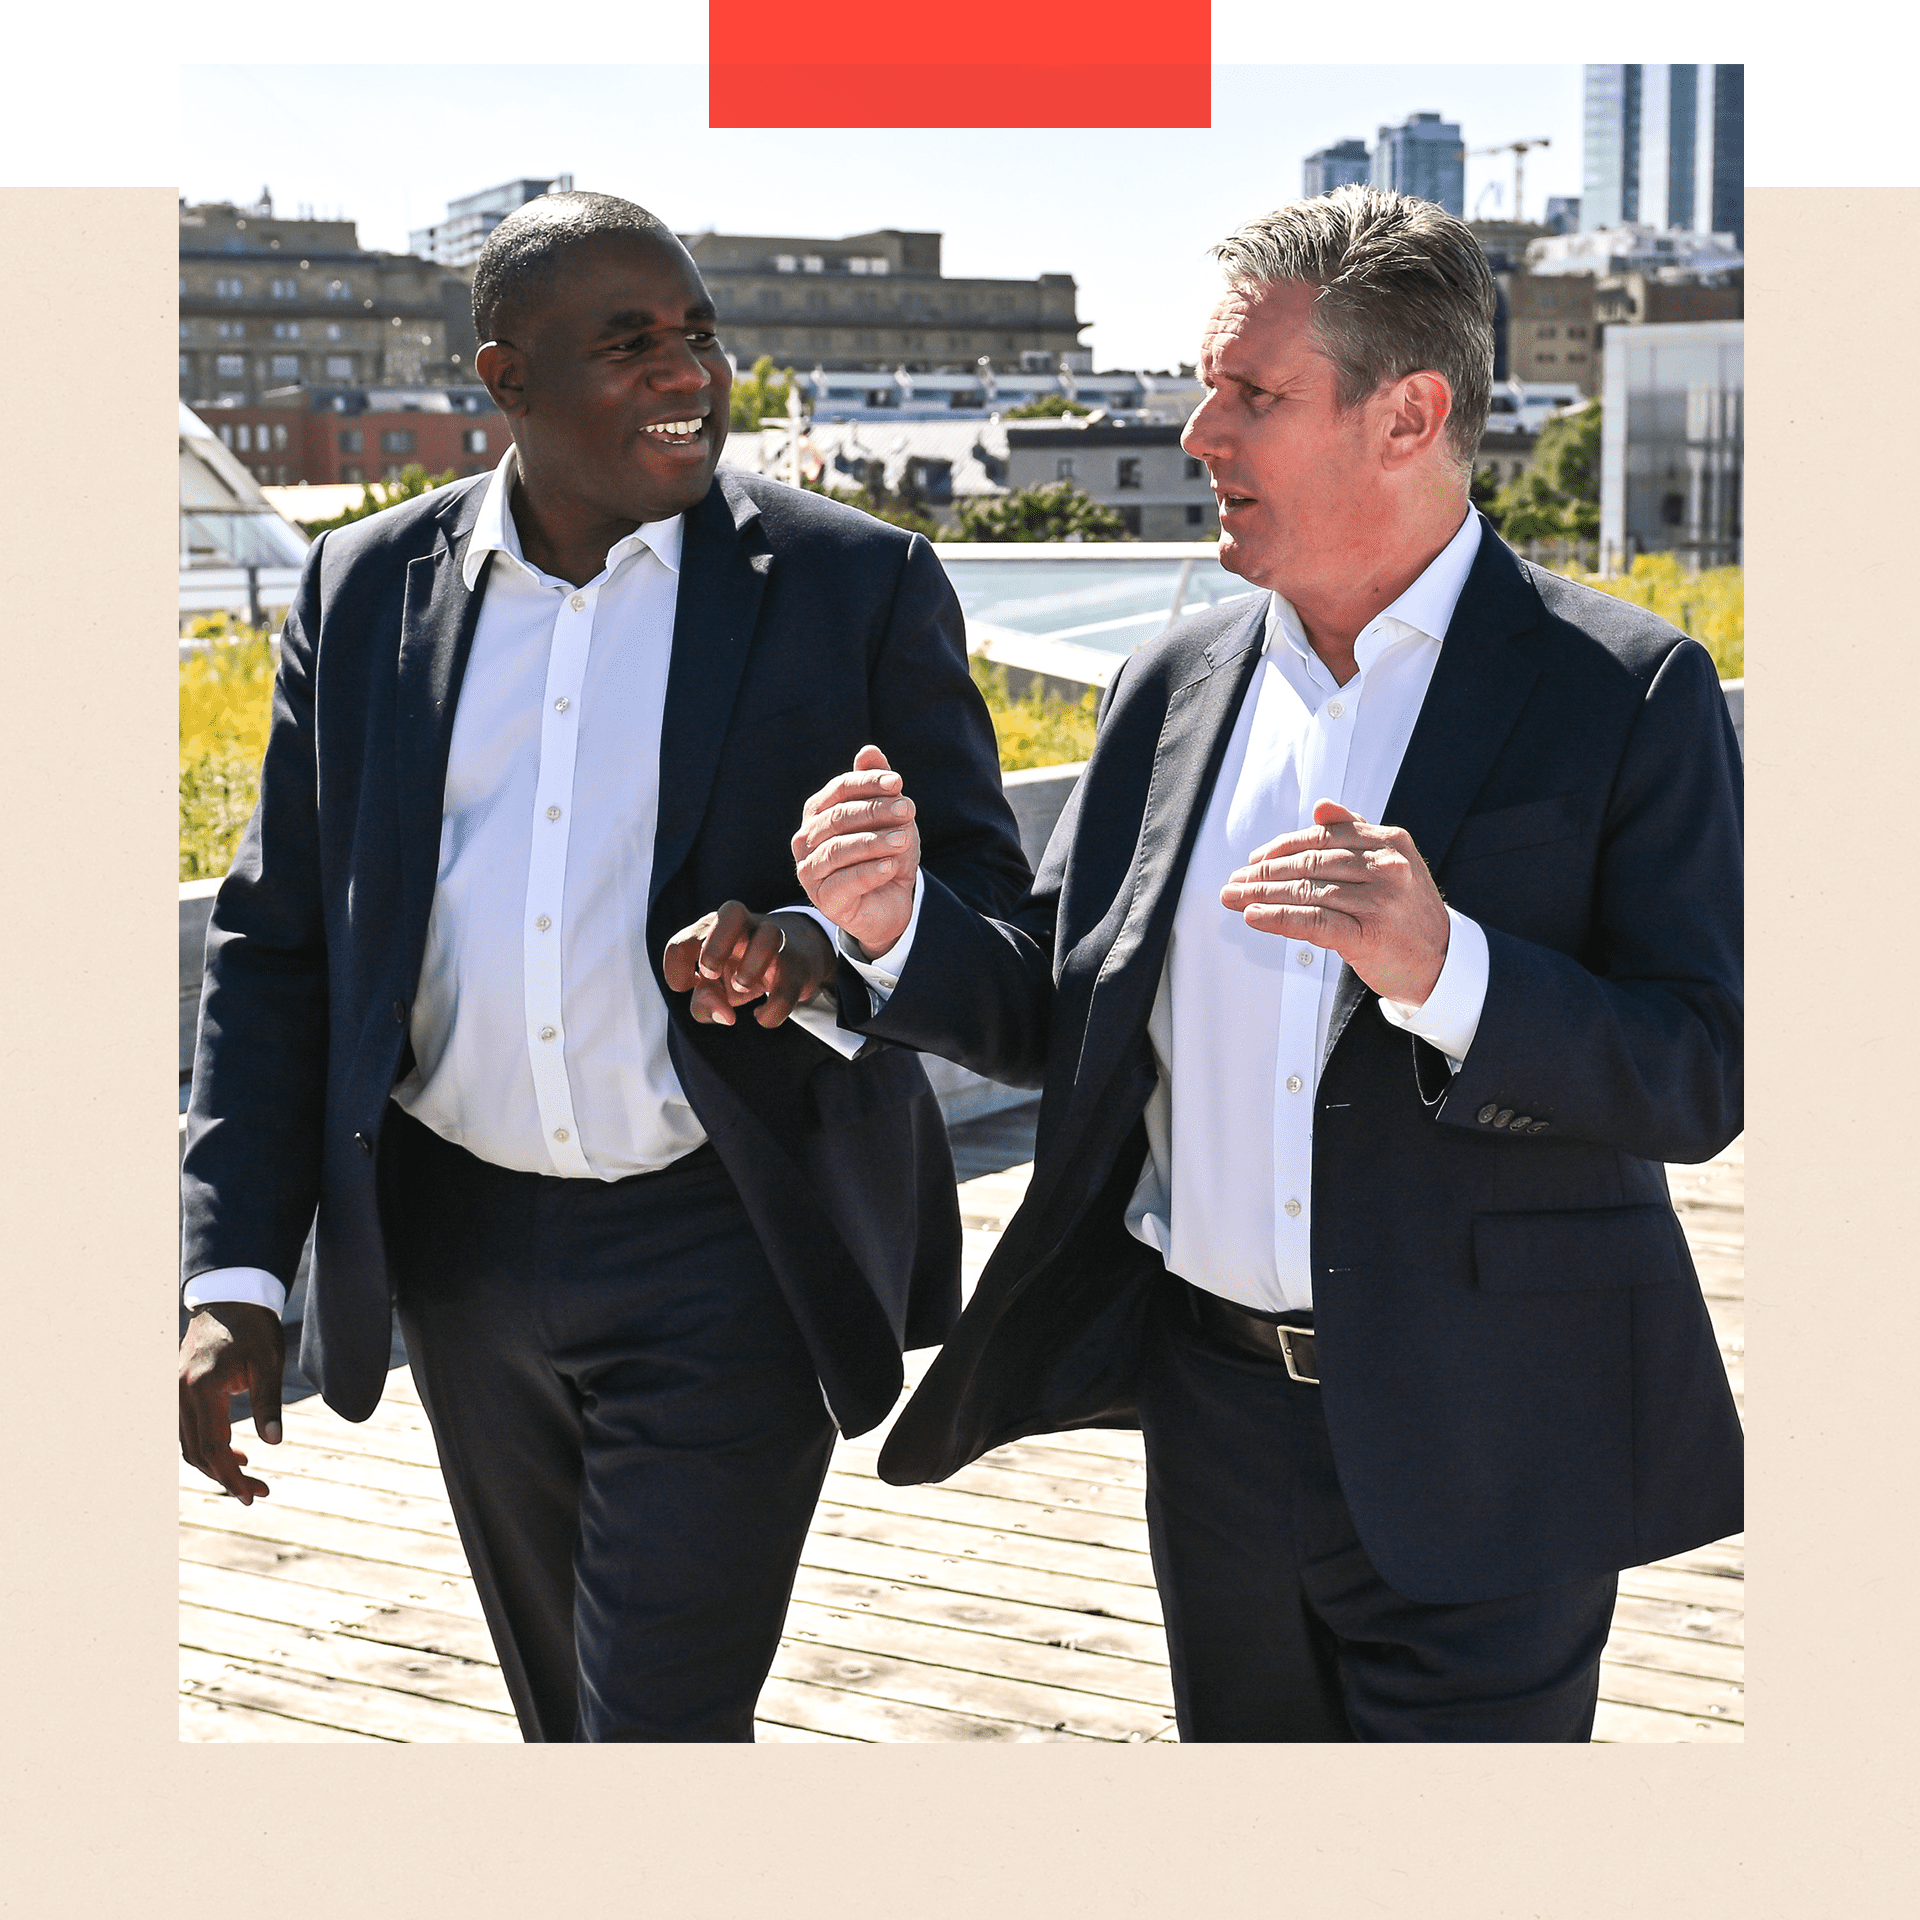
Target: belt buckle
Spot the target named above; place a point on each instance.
(1286, 1337)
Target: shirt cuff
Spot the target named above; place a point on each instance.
(882, 973)
(1450, 1015)
(823, 1022)
(254, 1285)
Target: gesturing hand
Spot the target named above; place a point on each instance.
(231, 1346)
(734, 955)
(858, 850)
(1362, 891)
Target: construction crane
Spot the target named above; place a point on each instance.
(1518, 148)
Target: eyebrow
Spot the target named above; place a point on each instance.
(638, 319)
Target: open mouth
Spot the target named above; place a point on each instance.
(1232, 502)
(676, 433)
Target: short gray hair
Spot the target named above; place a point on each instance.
(1404, 288)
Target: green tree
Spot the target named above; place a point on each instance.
(1483, 491)
(759, 394)
(413, 481)
(1050, 406)
(902, 506)
(1039, 513)
(1558, 496)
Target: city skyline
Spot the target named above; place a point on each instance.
(1129, 214)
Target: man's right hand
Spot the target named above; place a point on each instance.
(231, 1346)
(858, 851)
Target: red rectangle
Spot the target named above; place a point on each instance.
(1075, 93)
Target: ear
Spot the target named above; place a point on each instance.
(1415, 417)
(502, 370)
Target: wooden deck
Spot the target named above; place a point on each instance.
(1014, 1602)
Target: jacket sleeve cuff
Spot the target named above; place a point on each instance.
(255, 1285)
(1450, 1015)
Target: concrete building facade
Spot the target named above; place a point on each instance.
(456, 241)
(880, 300)
(1161, 492)
(271, 309)
(1425, 157)
(1665, 147)
(1345, 164)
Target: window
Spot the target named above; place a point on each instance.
(226, 436)
(228, 290)
(286, 366)
(1196, 469)
(286, 289)
(353, 472)
(784, 263)
(856, 263)
(813, 263)
(1130, 518)
(280, 442)
(1673, 509)
(352, 440)
(286, 329)
(335, 331)
(339, 366)
(339, 289)
(934, 478)
(474, 440)
(397, 440)
(879, 263)
(1196, 516)
(1063, 467)
(230, 329)
(1544, 301)
(1543, 333)
(1128, 474)
(230, 366)
(390, 471)
(1576, 333)
(186, 366)
(246, 438)
(186, 329)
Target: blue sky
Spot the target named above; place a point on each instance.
(1128, 213)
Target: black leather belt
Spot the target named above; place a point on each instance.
(1248, 1333)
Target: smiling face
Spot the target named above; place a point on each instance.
(1302, 487)
(614, 381)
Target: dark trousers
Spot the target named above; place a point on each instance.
(630, 1427)
(1278, 1626)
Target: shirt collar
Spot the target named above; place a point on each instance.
(1426, 607)
(495, 532)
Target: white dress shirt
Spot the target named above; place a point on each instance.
(1239, 1024)
(539, 1032)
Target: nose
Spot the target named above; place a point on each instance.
(1200, 437)
(682, 371)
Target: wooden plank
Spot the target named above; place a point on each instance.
(1667, 1653)
(439, 1679)
(288, 1603)
(1714, 1626)
(964, 1543)
(1676, 1693)
(204, 1720)
(294, 1527)
(1015, 1706)
(1050, 1668)
(326, 1702)
(347, 1575)
(859, 1715)
(993, 1513)
(1615, 1721)
(1709, 1590)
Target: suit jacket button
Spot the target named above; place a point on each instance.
(1487, 1112)
(1522, 1122)
(1539, 1126)
(1501, 1118)
(361, 1141)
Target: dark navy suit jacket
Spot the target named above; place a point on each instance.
(804, 629)
(1520, 1379)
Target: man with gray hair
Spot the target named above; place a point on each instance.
(1389, 946)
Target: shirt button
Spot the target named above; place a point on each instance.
(1294, 1083)
(547, 1033)
(578, 604)
(1335, 708)
(562, 704)
(553, 813)
(1292, 1209)
(560, 1133)
(1305, 956)
(543, 923)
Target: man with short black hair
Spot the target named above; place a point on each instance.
(524, 729)
(1348, 1190)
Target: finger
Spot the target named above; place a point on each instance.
(865, 784)
(1327, 813)
(681, 961)
(853, 816)
(710, 1004)
(724, 940)
(1342, 833)
(853, 850)
(263, 1397)
(218, 1459)
(1317, 926)
(842, 892)
(870, 760)
(751, 974)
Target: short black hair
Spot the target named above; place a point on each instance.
(522, 251)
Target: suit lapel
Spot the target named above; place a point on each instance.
(437, 624)
(724, 564)
(1477, 692)
(1186, 762)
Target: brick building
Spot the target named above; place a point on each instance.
(365, 435)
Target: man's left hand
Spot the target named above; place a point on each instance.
(733, 956)
(1359, 890)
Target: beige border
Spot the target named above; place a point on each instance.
(114, 1818)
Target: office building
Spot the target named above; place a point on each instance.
(271, 309)
(456, 241)
(1346, 164)
(879, 301)
(1426, 158)
(1671, 442)
(1665, 148)
(1563, 212)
